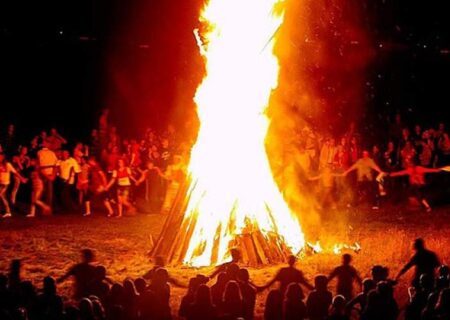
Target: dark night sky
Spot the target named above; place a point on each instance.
(62, 61)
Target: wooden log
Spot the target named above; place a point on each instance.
(259, 249)
(251, 253)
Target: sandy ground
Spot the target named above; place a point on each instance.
(49, 246)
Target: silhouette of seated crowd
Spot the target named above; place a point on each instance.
(232, 294)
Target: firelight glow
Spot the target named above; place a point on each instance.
(232, 189)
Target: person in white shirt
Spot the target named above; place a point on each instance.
(47, 161)
(6, 169)
(68, 168)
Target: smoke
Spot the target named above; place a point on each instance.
(323, 50)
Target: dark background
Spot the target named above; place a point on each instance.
(61, 62)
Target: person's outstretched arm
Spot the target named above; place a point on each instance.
(399, 173)
(352, 168)
(408, 266)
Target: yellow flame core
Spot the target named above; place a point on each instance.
(233, 190)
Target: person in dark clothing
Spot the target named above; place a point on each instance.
(424, 261)
(419, 298)
(50, 305)
(288, 275)
(442, 310)
(248, 292)
(319, 300)
(218, 288)
(388, 306)
(274, 306)
(232, 304)
(202, 307)
(161, 291)
(235, 259)
(294, 308)
(361, 299)
(83, 274)
(346, 275)
(189, 298)
(338, 309)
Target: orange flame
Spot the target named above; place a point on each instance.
(233, 190)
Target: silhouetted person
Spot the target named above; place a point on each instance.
(130, 304)
(50, 305)
(114, 298)
(294, 308)
(346, 275)
(274, 306)
(319, 300)
(189, 298)
(248, 292)
(361, 298)
(99, 286)
(235, 259)
(5, 295)
(442, 310)
(419, 298)
(232, 304)
(86, 309)
(338, 309)
(28, 298)
(443, 280)
(372, 310)
(202, 307)
(388, 306)
(159, 263)
(14, 276)
(97, 307)
(289, 275)
(424, 261)
(428, 313)
(218, 289)
(141, 285)
(161, 291)
(83, 273)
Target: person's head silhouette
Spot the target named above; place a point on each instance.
(346, 259)
(49, 286)
(203, 295)
(87, 255)
(368, 285)
(294, 292)
(320, 283)
(292, 260)
(419, 244)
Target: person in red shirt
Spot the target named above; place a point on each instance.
(122, 177)
(417, 182)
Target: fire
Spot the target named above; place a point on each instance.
(232, 189)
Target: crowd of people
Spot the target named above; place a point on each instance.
(229, 293)
(401, 152)
(108, 170)
(115, 172)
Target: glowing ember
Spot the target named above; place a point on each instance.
(232, 192)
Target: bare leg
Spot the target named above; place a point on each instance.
(87, 205)
(5, 202)
(15, 190)
(119, 206)
(108, 207)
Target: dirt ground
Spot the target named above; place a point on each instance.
(49, 246)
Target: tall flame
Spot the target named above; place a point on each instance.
(232, 190)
